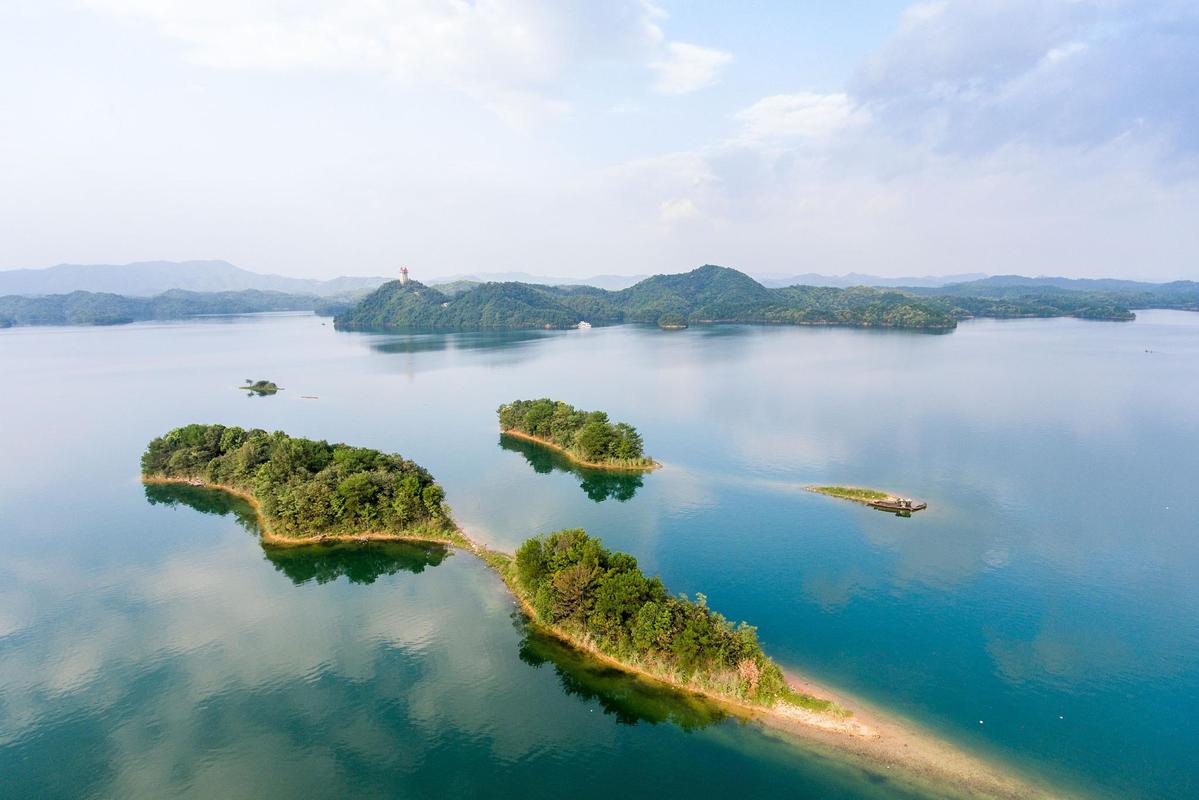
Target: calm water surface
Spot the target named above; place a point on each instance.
(1044, 611)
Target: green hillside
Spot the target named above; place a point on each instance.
(706, 295)
(98, 308)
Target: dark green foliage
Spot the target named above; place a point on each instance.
(487, 306)
(572, 581)
(707, 294)
(305, 487)
(588, 435)
(93, 308)
(858, 305)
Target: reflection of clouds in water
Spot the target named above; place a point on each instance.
(224, 627)
(833, 592)
(1077, 654)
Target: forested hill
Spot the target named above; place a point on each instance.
(705, 295)
(99, 308)
(1015, 295)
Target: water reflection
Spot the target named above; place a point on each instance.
(357, 563)
(626, 698)
(206, 501)
(597, 484)
(361, 563)
(429, 342)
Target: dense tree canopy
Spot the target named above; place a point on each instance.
(588, 435)
(306, 487)
(600, 597)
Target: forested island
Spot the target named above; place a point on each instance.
(99, 308)
(305, 489)
(587, 437)
(712, 294)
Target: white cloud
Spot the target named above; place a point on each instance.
(688, 67)
(677, 210)
(809, 116)
(973, 75)
(510, 55)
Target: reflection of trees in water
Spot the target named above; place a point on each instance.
(624, 696)
(357, 562)
(597, 484)
(204, 500)
(430, 342)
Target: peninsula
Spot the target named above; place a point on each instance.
(587, 438)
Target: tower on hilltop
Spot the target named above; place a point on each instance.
(403, 276)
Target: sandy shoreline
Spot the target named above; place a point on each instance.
(878, 742)
(575, 460)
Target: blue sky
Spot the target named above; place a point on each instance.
(574, 138)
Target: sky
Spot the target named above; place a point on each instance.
(585, 137)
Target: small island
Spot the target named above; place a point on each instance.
(874, 498)
(260, 388)
(586, 437)
(303, 490)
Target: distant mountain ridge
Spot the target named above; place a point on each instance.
(859, 279)
(612, 282)
(149, 278)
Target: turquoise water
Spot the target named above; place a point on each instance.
(149, 646)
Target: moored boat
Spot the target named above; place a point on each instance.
(899, 505)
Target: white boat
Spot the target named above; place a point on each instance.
(583, 325)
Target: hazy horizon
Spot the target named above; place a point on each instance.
(574, 139)
(464, 274)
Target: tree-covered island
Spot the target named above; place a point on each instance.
(587, 437)
(307, 490)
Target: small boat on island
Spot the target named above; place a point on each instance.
(897, 505)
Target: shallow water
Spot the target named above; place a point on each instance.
(149, 646)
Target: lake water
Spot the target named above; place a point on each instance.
(1043, 612)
